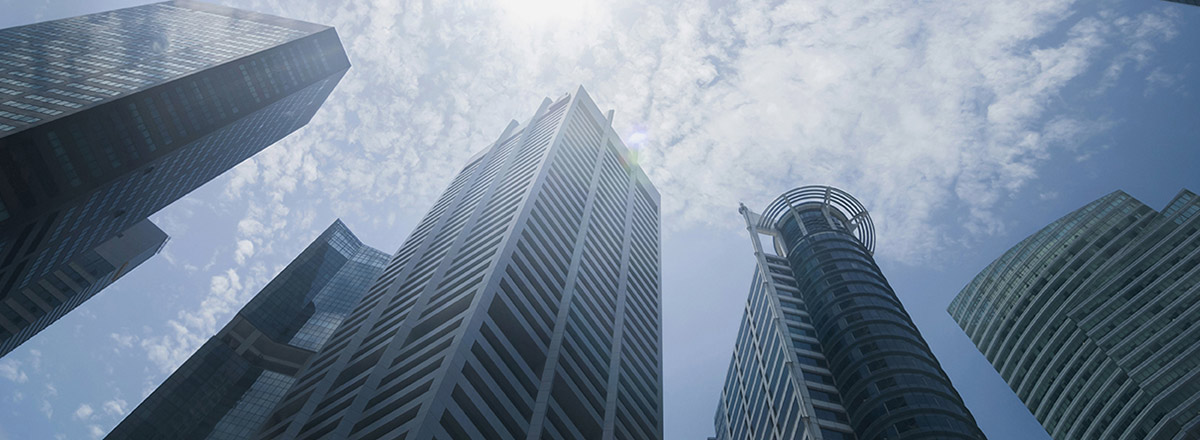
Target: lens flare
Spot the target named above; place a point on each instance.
(636, 141)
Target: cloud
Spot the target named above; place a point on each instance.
(45, 406)
(190, 328)
(95, 431)
(116, 407)
(933, 113)
(35, 359)
(245, 173)
(11, 370)
(83, 413)
(1140, 34)
(123, 341)
(245, 249)
(1158, 79)
(930, 112)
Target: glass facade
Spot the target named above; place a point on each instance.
(107, 118)
(1091, 320)
(524, 305)
(826, 350)
(30, 310)
(230, 385)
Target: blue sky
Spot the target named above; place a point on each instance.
(962, 125)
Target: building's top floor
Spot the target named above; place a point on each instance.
(583, 103)
(56, 68)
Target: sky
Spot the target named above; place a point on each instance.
(963, 126)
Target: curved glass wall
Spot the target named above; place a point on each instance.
(823, 325)
(1090, 320)
(891, 384)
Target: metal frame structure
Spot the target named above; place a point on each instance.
(833, 201)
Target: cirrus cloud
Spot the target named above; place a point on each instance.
(925, 110)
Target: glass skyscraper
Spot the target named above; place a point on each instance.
(226, 389)
(107, 118)
(525, 305)
(826, 350)
(75, 282)
(1092, 320)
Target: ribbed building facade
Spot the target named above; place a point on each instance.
(107, 118)
(1091, 320)
(525, 304)
(228, 387)
(825, 350)
(64, 289)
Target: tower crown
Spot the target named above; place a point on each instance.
(842, 211)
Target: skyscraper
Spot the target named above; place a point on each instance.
(826, 350)
(1091, 320)
(525, 304)
(225, 389)
(107, 118)
(22, 316)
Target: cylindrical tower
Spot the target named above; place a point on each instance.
(891, 384)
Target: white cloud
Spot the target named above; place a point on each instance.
(190, 328)
(123, 341)
(1139, 34)
(1158, 79)
(116, 407)
(11, 370)
(245, 249)
(251, 227)
(926, 111)
(45, 406)
(35, 359)
(245, 173)
(931, 112)
(95, 431)
(83, 413)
